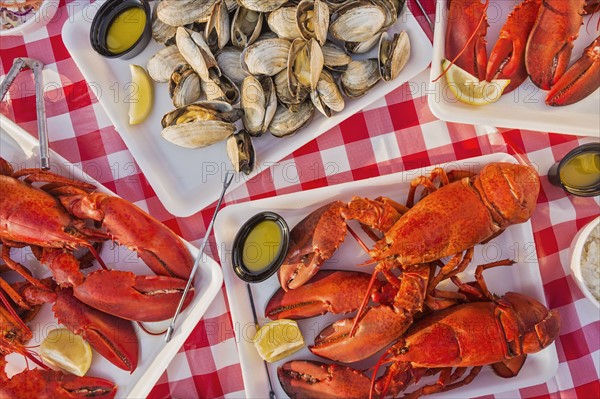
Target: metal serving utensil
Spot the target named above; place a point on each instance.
(425, 14)
(227, 181)
(271, 392)
(36, 66)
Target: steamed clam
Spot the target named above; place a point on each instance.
(360, 77)
(184, 86)
(259, 102)
(312, 19)
(327, 96)
(304, 66)
(196, 52)
(245, 27)
(162, 64)
(283, 22)
(357, 21)
(200, 124)
(286, 122)
(184, 12)
(266, 56)
(216, 31)
(393, 54)
(229, 60)
(240, 151)
(262, 5)
(220, 88)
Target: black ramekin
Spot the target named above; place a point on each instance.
(104, 18)
(238, 243)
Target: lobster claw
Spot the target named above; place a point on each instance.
(308, 379)
(128, 296)
(507, 59)
(580, 80)
(112, 337)
(550, 43)
(312, 242)
(55, 384)
(329, 291)
(133, 228)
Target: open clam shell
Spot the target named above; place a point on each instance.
(184, 12)
(220, 88)
(162, 64)
(240, 151)
(283, 91)
(266, 56)
(304, 66)
(199, 125)
(394, 53)
(357, 21)
(161, 32)
(363, 47)
(245, 27)
(312, 19)
(286, 122)
(360, 77)
(230, 63)
(259, 102)
(184, 86)
(196, 52)
(262, 5)
(327, 96)
(334, 57)
(283, 22)
(217, 31)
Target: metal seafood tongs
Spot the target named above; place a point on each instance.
(36, 66)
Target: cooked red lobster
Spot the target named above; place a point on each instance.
(490, 331)
(448, 221)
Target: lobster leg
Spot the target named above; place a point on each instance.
(507, 59)
(580, 80)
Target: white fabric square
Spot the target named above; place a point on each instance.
(225, 354)
(335, 160)
(561, 210)
(60, 127)
(385, 147)
(435, 134)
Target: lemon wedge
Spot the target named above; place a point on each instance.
(141, 95)
(278, 339)
(66, 350)
(470, 90)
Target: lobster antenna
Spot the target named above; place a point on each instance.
(363, 304)
(97, 256)
(487, 2)
(382, 360)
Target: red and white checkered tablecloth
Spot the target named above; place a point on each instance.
(396, 133)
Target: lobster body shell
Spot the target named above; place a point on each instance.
(551, 40)
(461, 214)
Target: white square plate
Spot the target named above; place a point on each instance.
(18, 147)
(516, 243)
(525, 107)
(187, 180)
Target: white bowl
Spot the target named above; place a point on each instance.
(576, 251)
(39, 20)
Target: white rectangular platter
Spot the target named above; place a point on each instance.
(525, 107)
(21, 149)
(187, 180)
(516, 242)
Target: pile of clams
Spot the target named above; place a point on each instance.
(275, 60)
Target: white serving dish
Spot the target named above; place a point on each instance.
(525, 107)
(17, 146)
(516, 242)
(187, 180)
(39, 20)
(576, 252)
